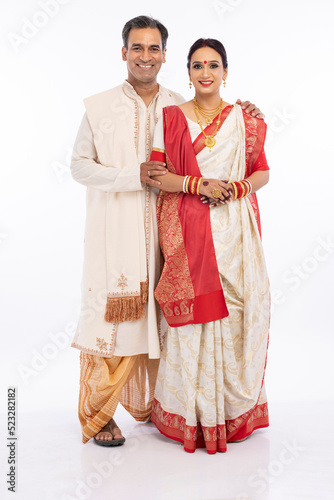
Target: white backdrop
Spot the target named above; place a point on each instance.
(54, 53)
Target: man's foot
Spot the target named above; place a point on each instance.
(109, 435)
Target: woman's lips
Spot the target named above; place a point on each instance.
(206, 83)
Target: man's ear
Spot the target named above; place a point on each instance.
(164, 56)
(124, 53)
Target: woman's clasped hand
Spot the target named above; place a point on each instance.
(209, 191)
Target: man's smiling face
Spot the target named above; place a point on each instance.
(144, 55)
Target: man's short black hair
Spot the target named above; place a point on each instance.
(141, 22)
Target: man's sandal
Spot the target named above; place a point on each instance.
(110, 427)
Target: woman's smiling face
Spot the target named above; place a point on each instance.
(206, 70)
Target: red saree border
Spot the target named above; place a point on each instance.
(214, 438)
(255, 134)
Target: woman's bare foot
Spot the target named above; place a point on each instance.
(110, 435)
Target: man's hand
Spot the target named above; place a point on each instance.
(250, 109)
(149, 169)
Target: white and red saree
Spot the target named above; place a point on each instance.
(214, 288)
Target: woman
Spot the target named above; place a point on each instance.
(214, 289)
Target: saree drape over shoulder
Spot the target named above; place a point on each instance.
(214, 288)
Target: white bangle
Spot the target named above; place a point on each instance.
(250, 186)
(184, 183)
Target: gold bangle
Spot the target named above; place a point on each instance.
(192, 185)
(199, 185)
(235, 193)
(249, 186)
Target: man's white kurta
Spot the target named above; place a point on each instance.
(114, 138)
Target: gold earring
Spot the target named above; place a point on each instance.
(190, 84)
(224, 83)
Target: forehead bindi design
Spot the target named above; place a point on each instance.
(205, 62)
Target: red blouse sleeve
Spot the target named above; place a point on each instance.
(261, 162)
(158, 155)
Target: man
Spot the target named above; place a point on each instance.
(120, 324)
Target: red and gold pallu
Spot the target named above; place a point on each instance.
(210, 386)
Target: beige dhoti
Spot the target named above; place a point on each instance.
(105, 382)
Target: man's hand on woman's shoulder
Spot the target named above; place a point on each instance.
(250, 108)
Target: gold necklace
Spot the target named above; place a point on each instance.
(208, 114)
(209, 140)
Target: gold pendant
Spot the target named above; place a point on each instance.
(209, 141)
(209, 121)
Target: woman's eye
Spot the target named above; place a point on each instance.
(214, 66)
(197, 66)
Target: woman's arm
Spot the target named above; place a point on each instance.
(258, 179)
(173, 183)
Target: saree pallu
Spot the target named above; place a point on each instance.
(210, 387)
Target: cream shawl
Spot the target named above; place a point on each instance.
(119, 224)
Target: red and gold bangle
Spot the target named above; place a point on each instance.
(244, 188)
(192, 185)
(241, 189)
(237, 188)
(195, 186)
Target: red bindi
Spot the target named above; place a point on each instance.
(205, 62)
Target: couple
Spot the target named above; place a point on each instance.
(213, 290)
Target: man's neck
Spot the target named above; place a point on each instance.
(146, 91)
